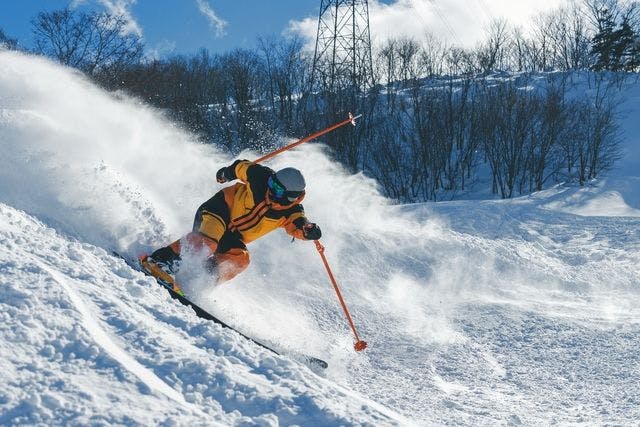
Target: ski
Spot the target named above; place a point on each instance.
(177, 294)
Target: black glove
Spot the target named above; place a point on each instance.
(220, 176)
(311, 231)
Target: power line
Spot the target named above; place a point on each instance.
(445, 21)
(484, 8)
(424, 21)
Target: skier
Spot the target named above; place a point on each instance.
(239, 214)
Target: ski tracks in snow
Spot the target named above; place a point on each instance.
(103, 339)
(88, 340)
(101, 336)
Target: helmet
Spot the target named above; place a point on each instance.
(286, 185)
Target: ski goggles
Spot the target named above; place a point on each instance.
(278, 191)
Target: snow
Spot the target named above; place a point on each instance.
(87, 340)
(477, 312)
(607, 197)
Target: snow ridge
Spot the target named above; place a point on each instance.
(102, 338)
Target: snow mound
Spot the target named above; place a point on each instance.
(607, 197)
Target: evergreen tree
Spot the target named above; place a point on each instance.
(633, 63)
(624, 41)
(603, 45)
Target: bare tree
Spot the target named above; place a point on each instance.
(602, 142)
(552, 130)
(461, 62)
(408, 53)
(7, 42)
(85, 41)
(598, 10)
(433, 56)
(62, 35)
(506, 128)
(246, 80)
(565, 29)
(578, 39)
(110, 45)
(519, 51)
(285, 65)
(542, 45)
(387, 63)
(491, 53)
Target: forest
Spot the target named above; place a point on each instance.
(522, 110)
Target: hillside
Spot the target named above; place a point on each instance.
(476, 312)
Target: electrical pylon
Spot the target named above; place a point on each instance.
(342, 57)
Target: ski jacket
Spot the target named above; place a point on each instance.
(252, 213)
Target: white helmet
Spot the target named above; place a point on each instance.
(287, 184)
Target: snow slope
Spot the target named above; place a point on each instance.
(88, 341)
(476, 312)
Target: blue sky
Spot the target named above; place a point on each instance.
(183, 26)
(176, 26)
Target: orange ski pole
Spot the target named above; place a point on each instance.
(351, 119)
(359, 345)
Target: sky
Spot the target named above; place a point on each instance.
(184, 26)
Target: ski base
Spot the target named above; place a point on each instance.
(176, 293)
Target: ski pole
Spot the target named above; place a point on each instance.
(351, 119)
(359, 345)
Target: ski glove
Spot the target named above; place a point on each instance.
(220, 176)
(311, 231)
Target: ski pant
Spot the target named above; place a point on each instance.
(227, 255)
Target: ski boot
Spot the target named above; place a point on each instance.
(164, 271)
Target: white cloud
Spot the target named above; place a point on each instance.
(215, 21)
(455, 21)
(120, 8)
(161, 49)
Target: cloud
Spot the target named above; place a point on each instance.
(119, 8)
(457, 22)
(215, 21)
(161, 49)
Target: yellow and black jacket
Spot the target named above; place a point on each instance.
(245, 208)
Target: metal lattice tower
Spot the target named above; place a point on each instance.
(342, 57)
